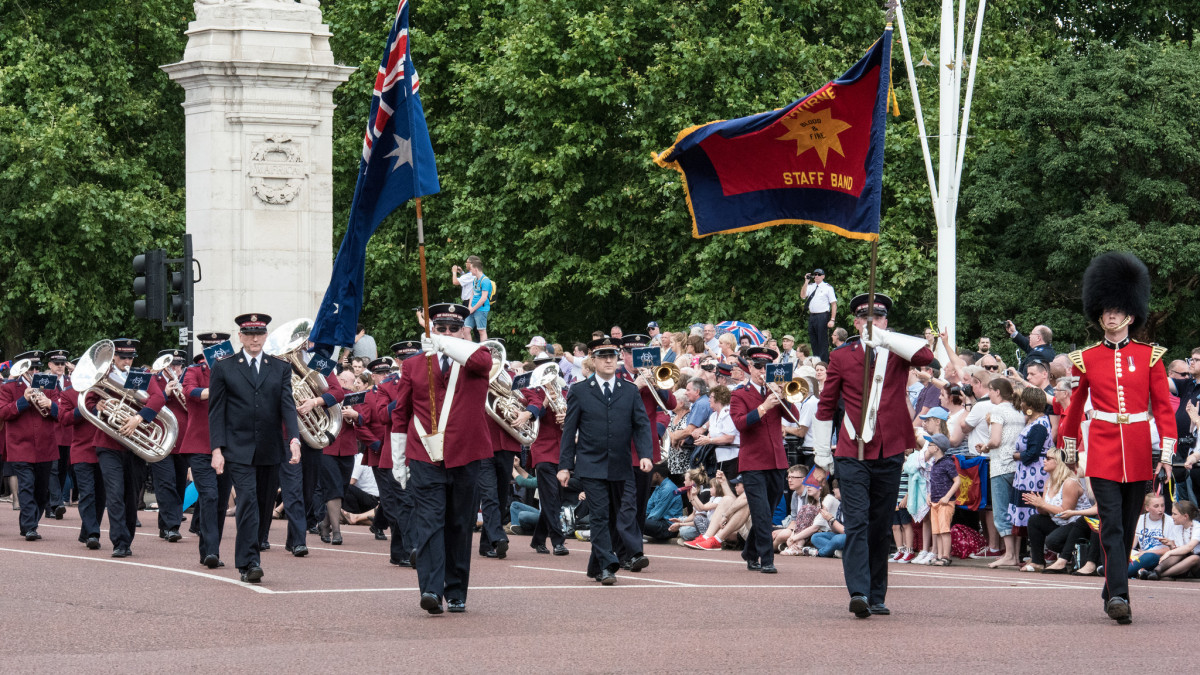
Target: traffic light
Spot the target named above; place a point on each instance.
(151, 282)
(182, 283)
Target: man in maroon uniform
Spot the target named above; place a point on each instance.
(869, 485)
(29, 415)
(84, 466)
(212, 490)
(755, 412)
(442, 469)
(56, 364)
(170, 474)
(1126, 383)
(544, 455)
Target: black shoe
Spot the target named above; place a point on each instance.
(194, 529)
(314, 530)
(624, 564)
(335, 539)
(137, 523)
(264, 546)
(93, 543)
(431, 603)
(881, 609)
(859, 606)
(753, 566)
(638, 563)
(501, 549)
(162, 534)
(379, 534)
(32, 535)
(402, 562)
(456, 606)
(561, 549)
(252, 575)
(59, 511)
(1118, 609)
(768, 569)
(541, 548)
(121, 552)
(210, 561)
(607, 578)
(299, 551)
(220, 563)
(173, 536)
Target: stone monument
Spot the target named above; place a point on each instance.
(259, 79)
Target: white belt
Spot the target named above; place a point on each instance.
(1119, 418)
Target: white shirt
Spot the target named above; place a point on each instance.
(977, 420)
(713, 346)
(808, 410)
(364, 478)
(571, 372)
(721, 424)
(822, 297)
(612, 384)
(467, 281)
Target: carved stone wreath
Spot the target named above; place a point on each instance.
(277, 170)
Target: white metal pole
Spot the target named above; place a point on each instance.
(920, 117)
(962, 138)
(948, 93)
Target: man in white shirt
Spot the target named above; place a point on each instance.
(710, 340)
(466, 280)
(822, 312)
(788, 353)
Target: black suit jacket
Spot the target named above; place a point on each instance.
(1044, 353)
(248, 414)
(606, 430)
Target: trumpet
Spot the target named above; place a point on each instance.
(152, 441)
(794, 390)
(163, 364)
(667, 376)
(18, 371)
(503, 404)
(320, 426)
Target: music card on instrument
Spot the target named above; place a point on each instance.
(138, 379)
(45, 381)
(322, 365)
(217, 352)
(647, 357)
(779, 372)
(521, 381)
(355, 398)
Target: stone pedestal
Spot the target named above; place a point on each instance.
(259, 77)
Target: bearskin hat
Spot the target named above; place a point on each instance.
(1117, 280)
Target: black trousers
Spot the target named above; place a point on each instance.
(604, 502)
(490, 499)
(357, 500)
(288, 479)
(121, 493)
(1119, 505)
(212, 495)
(310, 462)
(33, 490)
(870, 489)
(168, 489)
(397, 505)
(249, 480)
(550, 504)
(1045, 534)
(444, 503)
(818, 335)
(764, 489)
(91, 499)
(60, 469)
(632, 515)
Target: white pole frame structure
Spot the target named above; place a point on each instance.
(944, 185)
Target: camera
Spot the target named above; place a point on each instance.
(808, 275)
(967, 390)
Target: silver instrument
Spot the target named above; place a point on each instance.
(546, 377)
(17, 371)
(152, 441)
(503, 404)
(320, 426)
(163, 363)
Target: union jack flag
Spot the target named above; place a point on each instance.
(397, 165)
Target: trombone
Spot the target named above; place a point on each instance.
(666, 377)
(792, 391)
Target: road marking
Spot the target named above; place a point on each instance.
(236, 582)
(637, 578)
(623, 583)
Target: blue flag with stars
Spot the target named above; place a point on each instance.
(397, 165)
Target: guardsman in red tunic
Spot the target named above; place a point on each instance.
(442, 469)
(632, 516)
(755, 411)
(84, 466)
(212, 490)
(869, 486)
(170, 474)
(56, 365)
(29, 417)
(1127, 383)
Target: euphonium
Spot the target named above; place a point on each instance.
(320, 426)
(163, 363)
(503, 404)
(546, 377)
(152, 441)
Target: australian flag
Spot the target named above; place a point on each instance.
(817, 161)
(397, 165)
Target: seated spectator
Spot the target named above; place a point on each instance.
(721, 433)
(702, 510)
(677, 455)
(1182, 559)
(1056, 525)
(522, 517)
(839, 338)
(831, 537)
(695, 483)
(362, 495)
(804, 525)
(662, 509)
(728, 519)
(1151, 537)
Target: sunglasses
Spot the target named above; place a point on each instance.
(444, 328)
(1177, 373)
(991, 367)
(709, 368)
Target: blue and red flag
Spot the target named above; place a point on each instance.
(817, 161)
(397, 165)
(973, 484)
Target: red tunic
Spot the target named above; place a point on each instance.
(547, 447)
(29, 437)
(762, 438)
(82, 432)
(195, 439)
(180, 412)
(1130, 380)
(466, 436)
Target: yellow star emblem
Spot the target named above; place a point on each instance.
(814, 130)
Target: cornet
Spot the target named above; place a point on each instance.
(163, 364)
(18, 371)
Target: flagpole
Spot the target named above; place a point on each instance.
(433, 415)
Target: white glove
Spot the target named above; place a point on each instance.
(399, 467)
(1168, 451)
(427, 346)
(822, 433)
(904, 346)
(457, 349)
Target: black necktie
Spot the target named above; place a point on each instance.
(445, 364)
(607, 392)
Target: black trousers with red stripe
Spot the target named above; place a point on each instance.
(1119, 505)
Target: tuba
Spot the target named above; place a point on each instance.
(152, 441)
(320, 426)
(503, 404)
(163, 364)
(546, 377)
(666, 376)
